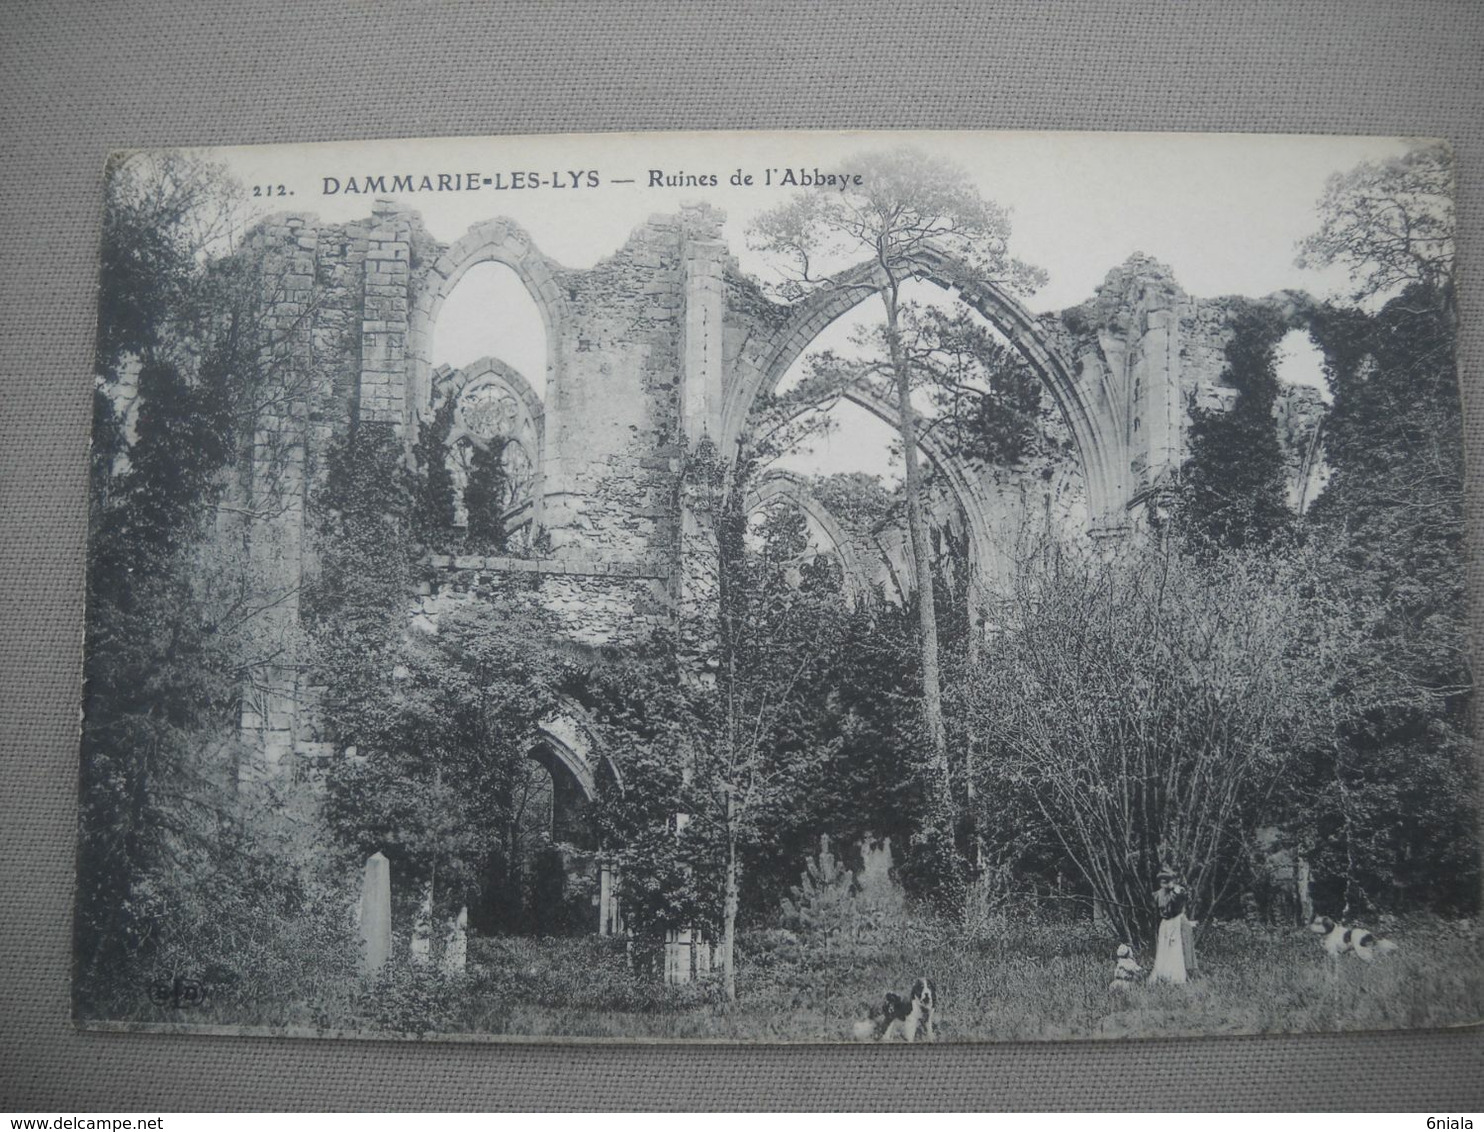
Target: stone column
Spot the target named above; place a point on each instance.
(383, 390)
(272, 529)
(701, 338)
(610, 916)
(1158, 409)
(678, 957)
(703, 953)
(703, 294)
(375, 914)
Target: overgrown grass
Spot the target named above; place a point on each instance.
(1047, 982)
(1051, 982)
(1042, 981)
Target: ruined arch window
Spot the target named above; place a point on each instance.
(490, 313)
(494, 419)
(489, 412)
(1299, 363)
(515, 464)
(779, 529)
(1299, 411)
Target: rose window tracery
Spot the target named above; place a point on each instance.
(491, 417)
(490, 412)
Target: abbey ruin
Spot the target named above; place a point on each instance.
(665, 344)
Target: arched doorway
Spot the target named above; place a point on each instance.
(549, 877)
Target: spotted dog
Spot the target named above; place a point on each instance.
(908, 1016)
(1338, 939)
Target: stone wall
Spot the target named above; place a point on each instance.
(613, 411)
(386, 267)
(1298, 415)
(1154, 353)
(644, 350)
(590, 601)
(1138, 346)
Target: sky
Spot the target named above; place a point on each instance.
(1224, 211)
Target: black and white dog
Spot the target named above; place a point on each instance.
(907, 1016)
(1338, 939)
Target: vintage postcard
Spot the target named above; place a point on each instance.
(789, 587)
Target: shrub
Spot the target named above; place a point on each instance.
(833, 906)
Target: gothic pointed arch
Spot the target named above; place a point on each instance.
(779, 484)
(492, 401)
(761, 365)
(493, 241)
(567, 734)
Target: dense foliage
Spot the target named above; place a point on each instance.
(486, 496)
(1232, 494)
(441, 719)
(184, 862)
(1384, 811)
(433, 512)
(1393, 808)
(1153, 706)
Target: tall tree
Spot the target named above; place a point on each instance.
(728, 739)
(907, 210)
(771, 633)
(1391, 223)
(1390, 812)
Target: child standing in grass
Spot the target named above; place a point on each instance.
(1126, 970)
(1170, 959)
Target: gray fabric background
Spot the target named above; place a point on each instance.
(78, 79)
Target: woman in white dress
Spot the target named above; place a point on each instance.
(1170, 959)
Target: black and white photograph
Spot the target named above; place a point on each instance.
(791, 587)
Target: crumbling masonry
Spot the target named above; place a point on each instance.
(662, 345)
